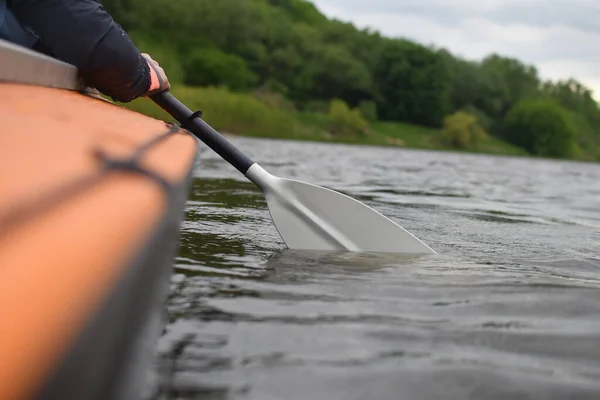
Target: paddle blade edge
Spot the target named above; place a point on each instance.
(311, 217)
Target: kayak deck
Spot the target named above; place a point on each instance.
(92, 197)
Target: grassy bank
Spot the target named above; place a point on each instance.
(263, 115)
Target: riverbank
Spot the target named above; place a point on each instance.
(267, 116)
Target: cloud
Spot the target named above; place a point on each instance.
(558, 37)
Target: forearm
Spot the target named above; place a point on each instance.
(116, 67)
(82, 33)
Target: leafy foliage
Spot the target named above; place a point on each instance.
(289, 48)
(211, 66)
(461, 130)
(346, 121)
(412, 83)
(541, 127)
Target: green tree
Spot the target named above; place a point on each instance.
(211, 66)
(412, 83)
(301, 10)
(576, 97)
(466, 80)
(541, 127)
(364, 45)
(506, 81)
(334, 73)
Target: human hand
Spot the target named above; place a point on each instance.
(158, 79)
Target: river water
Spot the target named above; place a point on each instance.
(508, 308)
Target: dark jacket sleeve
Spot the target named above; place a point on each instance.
(82, 33)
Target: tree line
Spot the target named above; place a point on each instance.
(289, 47)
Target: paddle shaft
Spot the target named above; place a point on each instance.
(306, 216)
(203, 131)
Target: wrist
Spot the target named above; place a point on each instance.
(154, 80)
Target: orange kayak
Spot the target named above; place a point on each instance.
(92, 198)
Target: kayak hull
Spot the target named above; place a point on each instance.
(92, 200)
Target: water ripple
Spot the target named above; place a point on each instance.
(509, 308)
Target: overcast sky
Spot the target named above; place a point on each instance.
(561, 38)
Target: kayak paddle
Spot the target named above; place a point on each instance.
(308, 217)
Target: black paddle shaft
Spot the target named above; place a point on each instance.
(203, 131)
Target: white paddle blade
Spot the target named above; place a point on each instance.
(310, 217)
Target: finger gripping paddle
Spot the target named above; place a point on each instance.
(308, 217)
